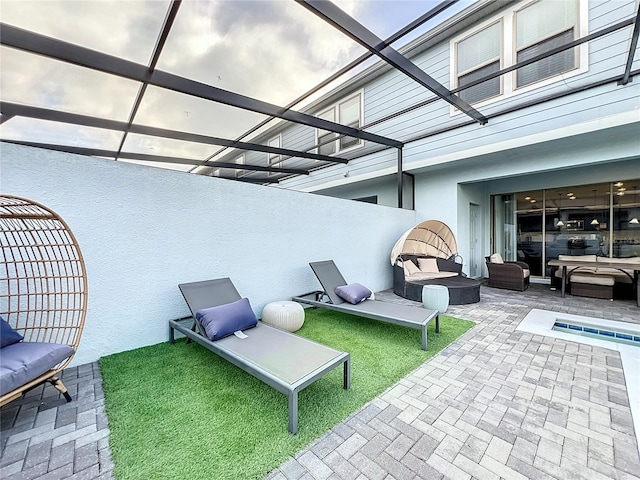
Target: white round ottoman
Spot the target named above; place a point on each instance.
(284, 315)
(435, 297)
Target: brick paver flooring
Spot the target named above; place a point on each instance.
(497, 403)
(44, 437)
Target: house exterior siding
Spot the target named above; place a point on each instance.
(393, 91)
(578, 125)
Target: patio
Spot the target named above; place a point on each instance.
(497, 403)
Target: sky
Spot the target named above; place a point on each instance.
(272, 50)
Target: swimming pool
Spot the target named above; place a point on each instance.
(621, 336)
(618, 335)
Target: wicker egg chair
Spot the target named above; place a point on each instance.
(43, 283)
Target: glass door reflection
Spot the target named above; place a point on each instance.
(530, 232)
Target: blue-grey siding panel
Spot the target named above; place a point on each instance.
(393, 91)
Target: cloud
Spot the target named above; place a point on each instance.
(125, 28)
(270, 50)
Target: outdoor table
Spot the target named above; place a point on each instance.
(618, 264)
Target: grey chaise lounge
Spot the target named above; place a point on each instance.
(330, 277)
(282, 360)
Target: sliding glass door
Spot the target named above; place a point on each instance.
(529, 217)
(625, 231)
(504, 220)
(539, 225)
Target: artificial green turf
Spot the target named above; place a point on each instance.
(180, 411)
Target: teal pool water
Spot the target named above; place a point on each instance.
(616, 335)
(608, 334)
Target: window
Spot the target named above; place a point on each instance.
(326, 145)
(592, 219)
(521, 32)
(347, 112)
(477, 56)
(349, 115)
(540, 27)
(239, 161)
(274, 158)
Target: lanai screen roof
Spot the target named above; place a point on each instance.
(179, 84)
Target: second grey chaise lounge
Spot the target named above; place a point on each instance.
(330, 277)
(282, 360)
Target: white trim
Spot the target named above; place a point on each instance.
(453, 63)
(350, 179)
(321, 114)
(239, 160)
(274, 159)
(335, 107)
(360, 97)
(620, 119)
(508, 54)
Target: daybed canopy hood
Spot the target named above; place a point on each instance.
(430, 238)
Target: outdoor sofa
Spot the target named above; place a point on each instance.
(596, 282)
(282, 360)
(330, 278)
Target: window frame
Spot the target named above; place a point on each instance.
(553, 34)
(335, 108)
(240, 160)
(274, 158)
(508, 54)
(322, 134)
(477, 67)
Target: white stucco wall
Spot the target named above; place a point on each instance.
(143, 230)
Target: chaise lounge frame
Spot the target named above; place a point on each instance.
(330, 277)
(282, 360)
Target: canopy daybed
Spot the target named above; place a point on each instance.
(427, 254)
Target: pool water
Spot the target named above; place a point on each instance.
(623, 337)
(608, 334)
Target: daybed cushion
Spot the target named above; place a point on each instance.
(353, 293)
(22, 362)
(410, 267)
(496, 258)
(416, 277)
(223, 320)
(8, 336)
(428, 265)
